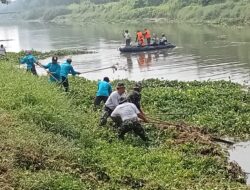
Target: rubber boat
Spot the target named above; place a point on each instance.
(145, 48)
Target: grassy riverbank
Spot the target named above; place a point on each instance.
(51, 140)
(217, 12)
(233, 12)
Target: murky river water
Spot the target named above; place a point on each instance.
(202, 53)
(240, 153)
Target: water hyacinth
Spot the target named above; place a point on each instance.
(51, 140)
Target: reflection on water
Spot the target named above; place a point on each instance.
(241, 154)
(202, 53)
(9, 37)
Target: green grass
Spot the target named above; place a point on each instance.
(51, 140)
(218, 12)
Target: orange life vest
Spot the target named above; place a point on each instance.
(147, 34)
(140, 38)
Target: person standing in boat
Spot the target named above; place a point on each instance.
(127, 37)
(30, 61)
(140, 38)
(66, 69)
(147, 36)
(163, 40)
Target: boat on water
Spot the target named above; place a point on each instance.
(145, 48)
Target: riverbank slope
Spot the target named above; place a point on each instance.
(219, 12)
(133, 11)
(51, 140)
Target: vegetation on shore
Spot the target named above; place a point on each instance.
(51, 140)
(194, 11)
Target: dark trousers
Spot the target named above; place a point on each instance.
(135, 126)
(32, 70)
(99, 99)
(148, 41)
(128, 41)
(65, 83)
(105, 114)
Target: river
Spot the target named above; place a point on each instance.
(203, 52)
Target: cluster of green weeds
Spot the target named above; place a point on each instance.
(51, 140)
(219, 12)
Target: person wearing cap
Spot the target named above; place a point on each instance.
(103, 91)
(66, 69)
(129, 115)
(30, 61)
(54, 70)
(135, 96)
(111, 104)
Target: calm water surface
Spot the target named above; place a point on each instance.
(202, 53)
(240, 153)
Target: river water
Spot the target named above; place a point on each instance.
(203, 52)
(240, 153)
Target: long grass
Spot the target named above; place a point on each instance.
(51, 140)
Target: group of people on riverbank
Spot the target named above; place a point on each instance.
(141, 37)
(124, 109)
(58, 73)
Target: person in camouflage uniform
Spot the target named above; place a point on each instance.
(130, 115)
(135, 96)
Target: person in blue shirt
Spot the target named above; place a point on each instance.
(30, 61)
(103, 91)
(54, 70)
(66, 69)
